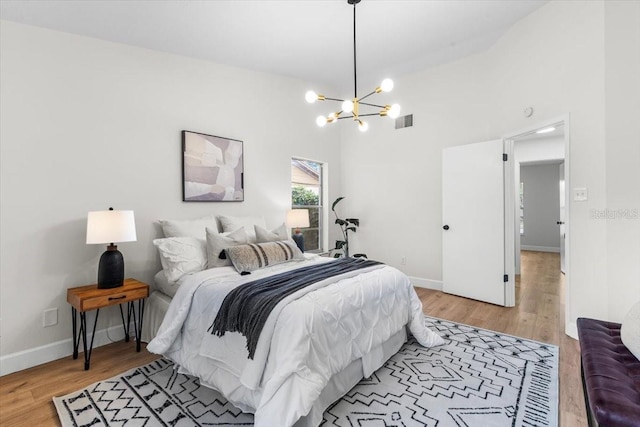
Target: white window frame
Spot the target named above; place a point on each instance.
(323, 229)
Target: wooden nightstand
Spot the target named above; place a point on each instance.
(87, 298)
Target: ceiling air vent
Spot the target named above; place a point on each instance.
(404, 121)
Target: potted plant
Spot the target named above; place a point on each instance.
(346, 225)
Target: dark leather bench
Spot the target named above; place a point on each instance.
(610, 375)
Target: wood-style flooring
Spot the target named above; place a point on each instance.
(25, 397)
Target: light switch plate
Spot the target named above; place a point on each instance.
(580, 194)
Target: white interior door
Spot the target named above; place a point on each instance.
(473, 209)
(561, 221)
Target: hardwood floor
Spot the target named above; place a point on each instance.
(25, 397)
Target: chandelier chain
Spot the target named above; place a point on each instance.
(355, 72)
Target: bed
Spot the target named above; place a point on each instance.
(316, 344)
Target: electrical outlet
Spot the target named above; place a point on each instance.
(580, 195)
(50, 317)
(403, 261)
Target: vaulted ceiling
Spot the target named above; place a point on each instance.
(307, 39)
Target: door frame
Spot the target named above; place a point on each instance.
(509, 224)
(510, 207)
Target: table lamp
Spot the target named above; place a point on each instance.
(297, 219)
(109, 227)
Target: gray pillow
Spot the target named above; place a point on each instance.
(251, 257)
(232, 223)
(188, 227)
(218, 242)
(263, 235)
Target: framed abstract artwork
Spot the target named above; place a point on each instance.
(212, 168)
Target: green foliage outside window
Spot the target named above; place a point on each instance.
(301, 196)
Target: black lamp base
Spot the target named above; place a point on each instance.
(299, 239)
(111, 268)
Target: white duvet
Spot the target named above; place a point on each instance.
(309, 337)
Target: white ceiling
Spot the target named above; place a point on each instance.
(306, 39)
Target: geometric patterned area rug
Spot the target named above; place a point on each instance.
(478, 378)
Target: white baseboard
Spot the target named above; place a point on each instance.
(37, 356)
(426, 283)
(571, 329)
(540, 248)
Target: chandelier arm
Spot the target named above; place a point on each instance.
(333, 99)
(369, 114)
(372, 105)
(367, 95)
(345, 117)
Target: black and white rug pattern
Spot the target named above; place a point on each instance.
(479, 378)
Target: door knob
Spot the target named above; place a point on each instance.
(446, 227)
(559, 222)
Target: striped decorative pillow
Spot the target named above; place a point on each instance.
(254, 256)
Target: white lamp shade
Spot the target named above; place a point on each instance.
(298, 218)
(110, 227)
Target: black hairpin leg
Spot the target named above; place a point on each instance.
(76, 336)
(137, 321)
(126, 324)
(83, 335)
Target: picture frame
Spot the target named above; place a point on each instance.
(212, 168)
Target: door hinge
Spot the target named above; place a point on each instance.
(506, 278)
(505, 157)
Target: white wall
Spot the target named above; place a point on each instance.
(88, 124)
(553, 60)
(541, 207)
(622, 210)
(538, 150)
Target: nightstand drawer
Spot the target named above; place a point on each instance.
(100, 301)
(86, 298)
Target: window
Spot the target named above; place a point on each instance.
(306, 193)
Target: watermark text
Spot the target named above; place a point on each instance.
(615, 213)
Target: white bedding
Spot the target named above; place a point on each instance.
(313, 338)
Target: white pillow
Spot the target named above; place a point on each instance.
(218, 242)
(630, 330)
(232, 223)
(181, 255)
(188, 227)
(263, 235)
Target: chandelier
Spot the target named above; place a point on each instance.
(352, 106)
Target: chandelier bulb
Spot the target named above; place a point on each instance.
(311, 97)
(363, 126)
(347, 106)
(321, 121)
(386, 85)
(394, 111)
